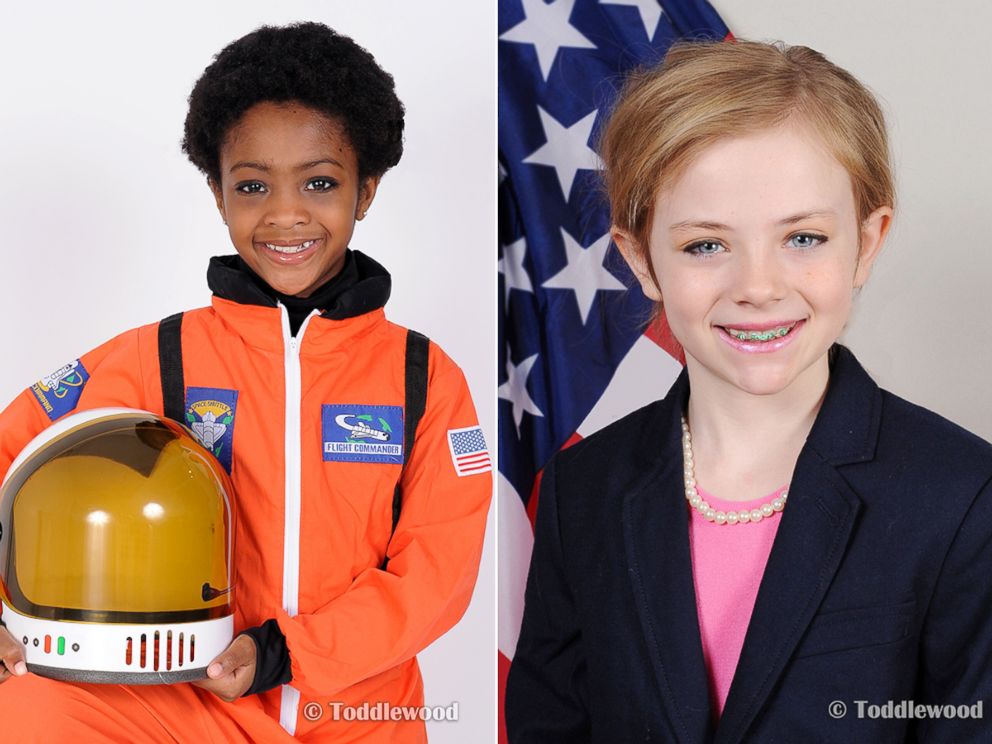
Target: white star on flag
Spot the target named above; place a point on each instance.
(546, 26)
(650, 11)
(567, 148)
(515, 390)
(585, 274)
(511, 266)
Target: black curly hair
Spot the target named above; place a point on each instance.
(304, 62)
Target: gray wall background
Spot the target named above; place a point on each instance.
(922, 326)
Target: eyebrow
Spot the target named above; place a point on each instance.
(301, 167)
(791, 220)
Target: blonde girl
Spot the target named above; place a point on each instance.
(779, 549)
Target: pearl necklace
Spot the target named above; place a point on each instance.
(732, 517)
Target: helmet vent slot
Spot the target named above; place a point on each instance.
(144, 644)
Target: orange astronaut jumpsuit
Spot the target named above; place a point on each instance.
(313, 522)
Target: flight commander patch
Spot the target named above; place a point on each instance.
(58, 393)
(362, 433)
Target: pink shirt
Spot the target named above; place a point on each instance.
(727, 564)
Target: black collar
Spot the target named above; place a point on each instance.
(362, 286)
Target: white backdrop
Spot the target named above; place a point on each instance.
(109, 227)
(921, 325)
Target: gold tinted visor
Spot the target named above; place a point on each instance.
(120, 519)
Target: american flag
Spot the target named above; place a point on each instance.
(574, 351)
(468, 451)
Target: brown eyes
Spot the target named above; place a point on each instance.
(319, 185)
(251, 187)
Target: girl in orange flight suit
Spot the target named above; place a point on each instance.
(293, 127)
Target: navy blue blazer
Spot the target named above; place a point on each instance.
(878, 586)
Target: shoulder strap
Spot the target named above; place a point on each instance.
(170, 360)
(417, 348)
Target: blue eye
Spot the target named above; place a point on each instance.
(702, 248)
(321, 184)
(805, 241)
(250, 187)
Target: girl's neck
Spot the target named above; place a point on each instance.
(744, 445)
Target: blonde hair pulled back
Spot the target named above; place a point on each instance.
(668, 114)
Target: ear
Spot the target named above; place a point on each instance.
(873, 232)
(638, 261)
(366, 195)
(218, 197)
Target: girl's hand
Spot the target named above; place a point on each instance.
(12, 656)
(230, 675)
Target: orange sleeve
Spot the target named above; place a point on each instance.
(386, 617)
(113, 378)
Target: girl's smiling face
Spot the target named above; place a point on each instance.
(290, 193)
(759, 234)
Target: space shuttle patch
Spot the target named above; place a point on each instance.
(210, 416)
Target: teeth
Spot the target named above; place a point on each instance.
(767, 335)
(290, 248)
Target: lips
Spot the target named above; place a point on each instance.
(289, 247)
(757, 333)
(760, 337)
(284, 252)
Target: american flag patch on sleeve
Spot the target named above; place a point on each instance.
(468, 451)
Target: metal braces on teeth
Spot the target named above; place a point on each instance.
(759, 335)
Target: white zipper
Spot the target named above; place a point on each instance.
(290, 701)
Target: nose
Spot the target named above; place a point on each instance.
(759, 276)
(286, 210)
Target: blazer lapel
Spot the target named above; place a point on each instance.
(808, 549)
(656, 535)
(810, 543)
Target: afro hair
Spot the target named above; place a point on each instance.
(304, 62)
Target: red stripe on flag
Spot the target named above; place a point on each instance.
(661, 333)
(503, 669)
(477, 468)
(465, 459)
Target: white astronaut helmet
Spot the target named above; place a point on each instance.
(116, 549)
